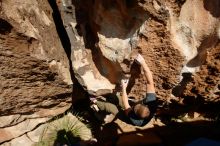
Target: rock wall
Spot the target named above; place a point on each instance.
(34, 70)
(196, 33)
(173, 37)
(47, 45)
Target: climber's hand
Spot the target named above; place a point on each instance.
(139, 59)
(124, 83)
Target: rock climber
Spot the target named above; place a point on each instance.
(142, 112)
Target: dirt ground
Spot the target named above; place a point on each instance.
(163, 130)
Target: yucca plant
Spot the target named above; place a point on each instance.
(68, 130)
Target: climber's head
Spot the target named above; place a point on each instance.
(142, 111)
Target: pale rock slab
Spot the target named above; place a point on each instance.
(19, 129)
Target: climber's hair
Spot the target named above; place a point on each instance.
(142, 111)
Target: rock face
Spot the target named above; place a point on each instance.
(47, 45)
(34, 68)
(196, 33)
(84, 59)
(196, 30)
(173, 37)
(33, 61)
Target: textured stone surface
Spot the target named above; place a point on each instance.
(29, 138)
(83, 63)
(19, 141)
(19, 129)
(118, 30)
(172, 39)
(35, 135)
(97, 41)
(33, 60)
(10, 120)
(34, 69)
(196, 30)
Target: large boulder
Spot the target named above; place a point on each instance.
(195, 31)
(34, 68)
(173, 37)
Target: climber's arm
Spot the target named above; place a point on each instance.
(147, 73)
(124, 97)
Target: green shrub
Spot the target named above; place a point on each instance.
(67, 130)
